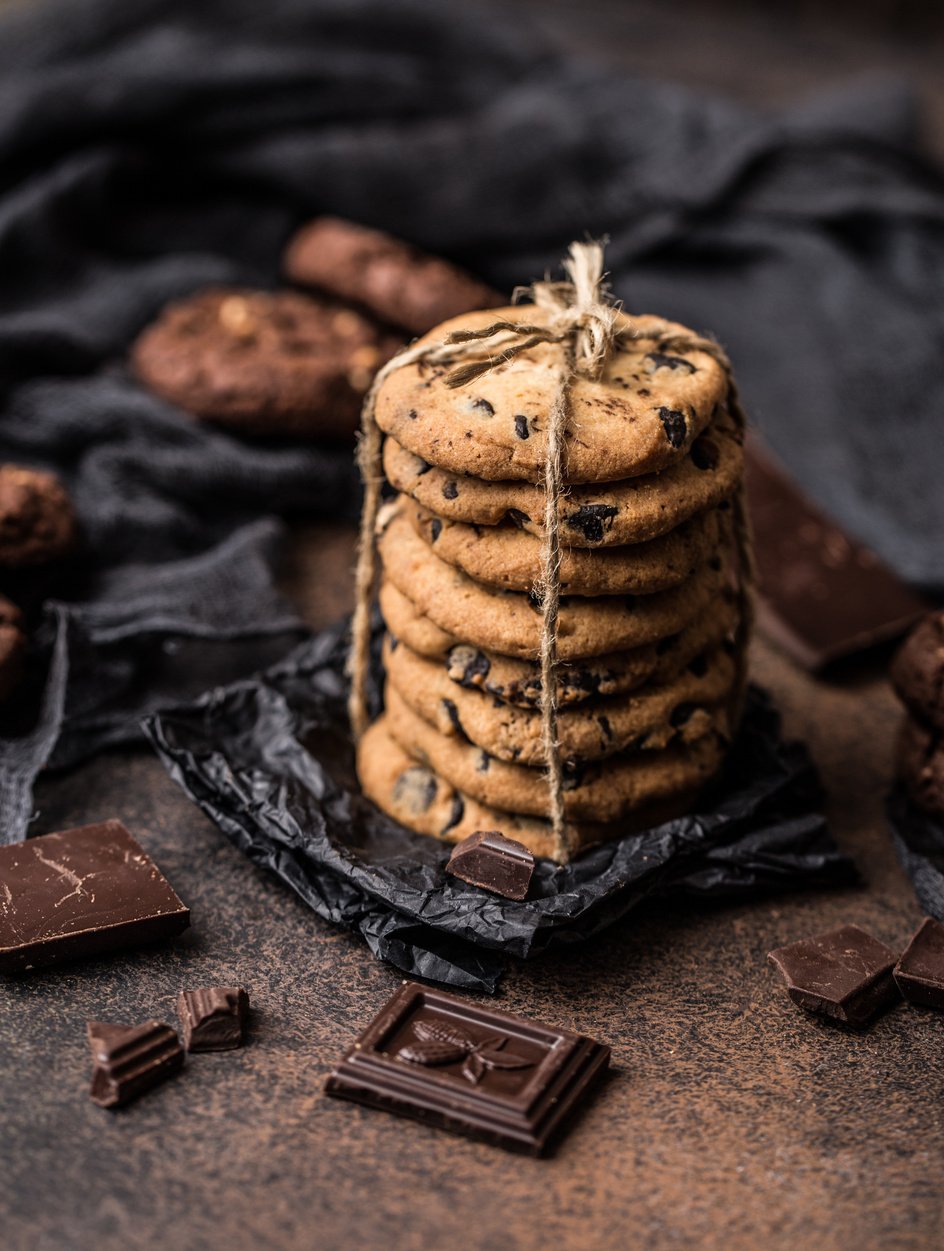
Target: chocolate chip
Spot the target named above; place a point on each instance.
(484, 407)
(453, 714)
(450, 490)
(425, 467)
(604, 724)
(573, 772)
(674, 424)
(681, 714)
(483, 762)
(435, 528)
(521, 427)
(644, 391)
(416, 788)
(590, 520)
(412, 414)
(394, 641)
(662, 360)
(456, 815)
(704, 453)
(516, 517)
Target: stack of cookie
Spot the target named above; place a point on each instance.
(918, 677)
(650, 681)
(287, 364)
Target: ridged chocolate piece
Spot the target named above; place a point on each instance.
(845, 975)
(920, 971)
(213, 1019)
(130, 1059)
(81, 892)
(469, 1069)
(489, 860)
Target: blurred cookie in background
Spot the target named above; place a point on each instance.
(264, 363)
(37, 520)
(390, 278)
(12, 647)
(917, 674)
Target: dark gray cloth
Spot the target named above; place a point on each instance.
(151, 146)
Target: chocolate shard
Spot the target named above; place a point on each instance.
(130, 1059)
(213, 1019)
(920, 970)
(845, 975)
(79, 893)
(823, 596)
(493, 862)
(468, 1069)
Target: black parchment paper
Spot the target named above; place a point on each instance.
(270, 761)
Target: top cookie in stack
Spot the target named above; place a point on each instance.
(650, 680)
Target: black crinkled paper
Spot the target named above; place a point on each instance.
(270, 761)
(919, 842)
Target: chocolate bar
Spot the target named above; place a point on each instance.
(213, 1019)
(79, 893)
(469, 1069)
(920, 971)
(130, 1059)
(845, 974)
(823, 596)
(493, 862)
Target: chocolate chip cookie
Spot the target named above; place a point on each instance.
(595, 791)
(37, 520)
(917, 672)
(920, 764)
(507, 558)
(611, 514)
(412, 794)
(692, 705)
(641, 416)
(264, 363)
(518, 682)
(12, 647)
(509, 622)
(397, 282)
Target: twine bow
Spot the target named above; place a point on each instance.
(582, 319)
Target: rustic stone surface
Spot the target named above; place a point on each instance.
(730, 1118)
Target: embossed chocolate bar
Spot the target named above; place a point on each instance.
(469, 1069)
(81, 892)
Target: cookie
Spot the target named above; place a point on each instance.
(264, 363)
(509, 622)
(394, 280)
(37, 520)
(518, 682)
(418, 799)
(12, 647)
(642, 415)
(611, 514)
(594, 791)
(920, 765)
(684, 710)
(510, 559)
(917, 672)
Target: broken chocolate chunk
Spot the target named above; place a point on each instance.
(920, 971)
(674, 424)
(591, 519)
(493, 862)
(79, 893)
(469, 1069)
(845, 975)
(130, 1059)
(213, 1019)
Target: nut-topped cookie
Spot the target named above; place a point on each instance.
(641, 416)
(612, 513)
(264, 363)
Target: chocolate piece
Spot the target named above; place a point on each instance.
(822, 595)
(469, 1069)
(213, 1019)
(845, 975)
(488, 859)
(130, 1059)
(920, 970)
(81, 892)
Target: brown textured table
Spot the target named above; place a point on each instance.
(730, 1119)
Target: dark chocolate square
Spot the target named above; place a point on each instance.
(920, 971)
(469, 1069)
(81, 892)
(845, 974)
